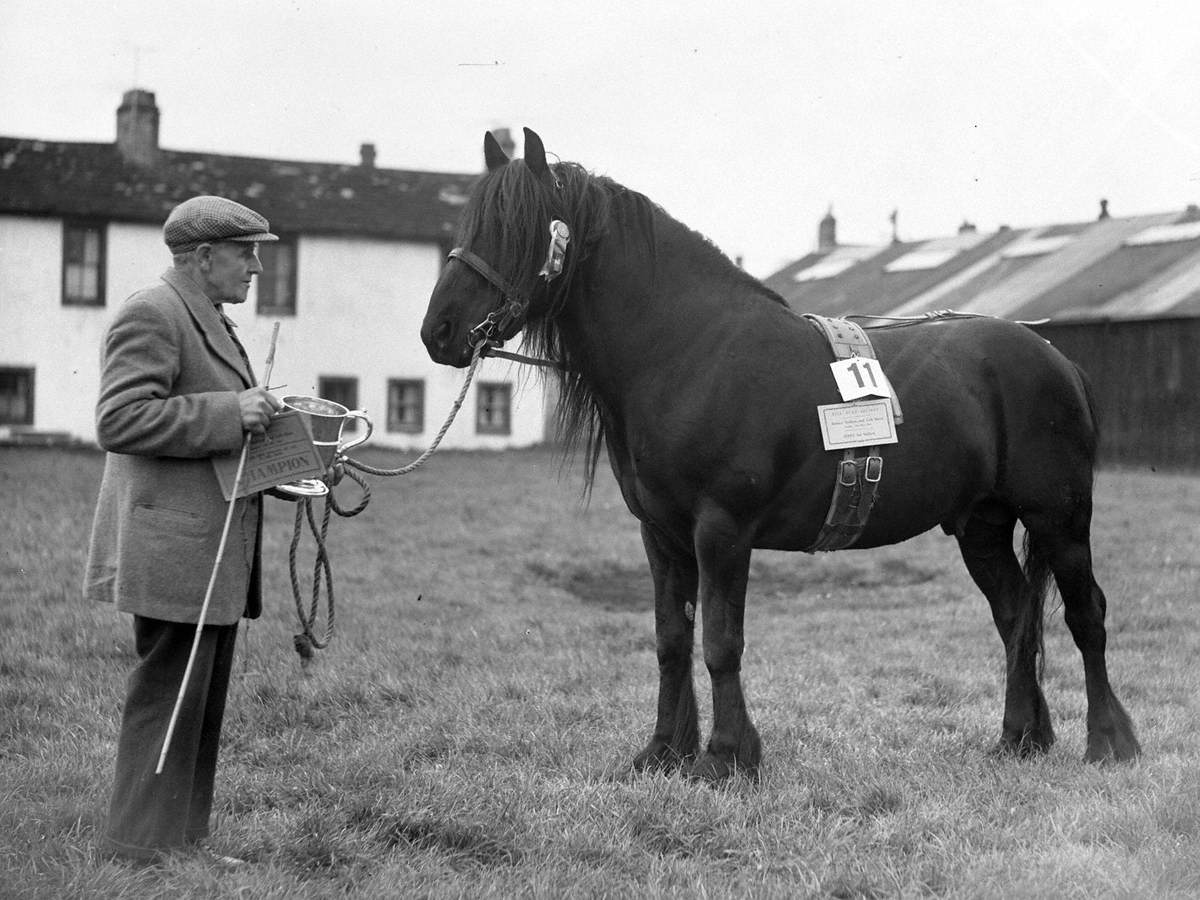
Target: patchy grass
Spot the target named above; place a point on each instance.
(494, 657)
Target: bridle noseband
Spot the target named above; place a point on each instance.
(514, 306)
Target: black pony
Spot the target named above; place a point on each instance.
(703, 386)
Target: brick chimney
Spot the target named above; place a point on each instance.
(827, 232)
(137, 127)
(366, 154)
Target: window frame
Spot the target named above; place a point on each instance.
(503, 388)
(268, 253)
(87, 226)
(28, 388)
(394, 424)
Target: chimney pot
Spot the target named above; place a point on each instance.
(504, 138)
(827, 232)
(137, 127)
(366, 154)
(1103, 210)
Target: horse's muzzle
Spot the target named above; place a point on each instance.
(445, 344)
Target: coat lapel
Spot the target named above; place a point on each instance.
(209, 320)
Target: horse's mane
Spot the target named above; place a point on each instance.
(595, 207)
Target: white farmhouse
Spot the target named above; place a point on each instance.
(360, 250)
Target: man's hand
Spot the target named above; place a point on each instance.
(257, 408)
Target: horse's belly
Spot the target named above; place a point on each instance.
(800, 534)
(910, 500)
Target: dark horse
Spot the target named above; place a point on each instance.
(703, 386)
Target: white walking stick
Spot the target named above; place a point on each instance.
(212, 578)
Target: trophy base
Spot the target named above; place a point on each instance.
(308, 487)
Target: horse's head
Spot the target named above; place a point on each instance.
(498, 276)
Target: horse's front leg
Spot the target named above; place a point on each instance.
(723, 554)
(676, 739)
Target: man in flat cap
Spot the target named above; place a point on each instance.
(176, 389)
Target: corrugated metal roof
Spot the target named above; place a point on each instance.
(935, 253)
(1015, 296)
(1137, 279)
(875, 284)
(1130, 267)
(835, 262)
(95, 180)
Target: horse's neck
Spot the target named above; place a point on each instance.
(642, 308)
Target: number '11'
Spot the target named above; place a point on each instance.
(867, 370)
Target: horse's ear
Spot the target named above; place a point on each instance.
(535, 153)
(493, 153)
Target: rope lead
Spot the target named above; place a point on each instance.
(420, 460)
(307, 641)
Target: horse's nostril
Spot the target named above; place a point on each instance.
(441, 334)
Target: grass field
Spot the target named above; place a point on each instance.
(494, 657)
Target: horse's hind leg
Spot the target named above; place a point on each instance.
(1066, 547)
(986, 544)
(676, 738)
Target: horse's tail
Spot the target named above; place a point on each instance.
(1031, 609)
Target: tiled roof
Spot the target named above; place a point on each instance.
(1132, 267)
(88, 179)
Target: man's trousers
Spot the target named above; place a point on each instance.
(151, 814)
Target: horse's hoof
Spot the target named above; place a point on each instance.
(1117, 748)
(713, 770)
(710, 769)
(1022, 748)
(662, 760)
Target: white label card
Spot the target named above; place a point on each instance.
(861, 424)
(860, 376)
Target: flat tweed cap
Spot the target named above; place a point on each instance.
(205, 220)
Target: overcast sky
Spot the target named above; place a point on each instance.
(746, 120)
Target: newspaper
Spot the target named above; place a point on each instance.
(284, 453)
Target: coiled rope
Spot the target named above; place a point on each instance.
(307, 641)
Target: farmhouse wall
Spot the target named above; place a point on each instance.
(368, 246)
(360, 302)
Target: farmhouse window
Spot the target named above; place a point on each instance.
(277, 282)
(494, 409)
(83, 264)
(341, 390)
(406, 406)
(16, 396)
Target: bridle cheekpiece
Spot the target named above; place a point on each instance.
(514, 306)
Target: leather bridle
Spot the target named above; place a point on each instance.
(513, 306)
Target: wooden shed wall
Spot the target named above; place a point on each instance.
(1145, 374)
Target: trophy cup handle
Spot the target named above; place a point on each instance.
(357, 414)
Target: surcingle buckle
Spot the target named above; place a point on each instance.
(848, 473)
(874, 469)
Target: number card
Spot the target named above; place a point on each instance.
(860, 376)
(864, 423)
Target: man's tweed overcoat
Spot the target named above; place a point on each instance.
(169, 384)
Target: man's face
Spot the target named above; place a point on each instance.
(227, 270)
